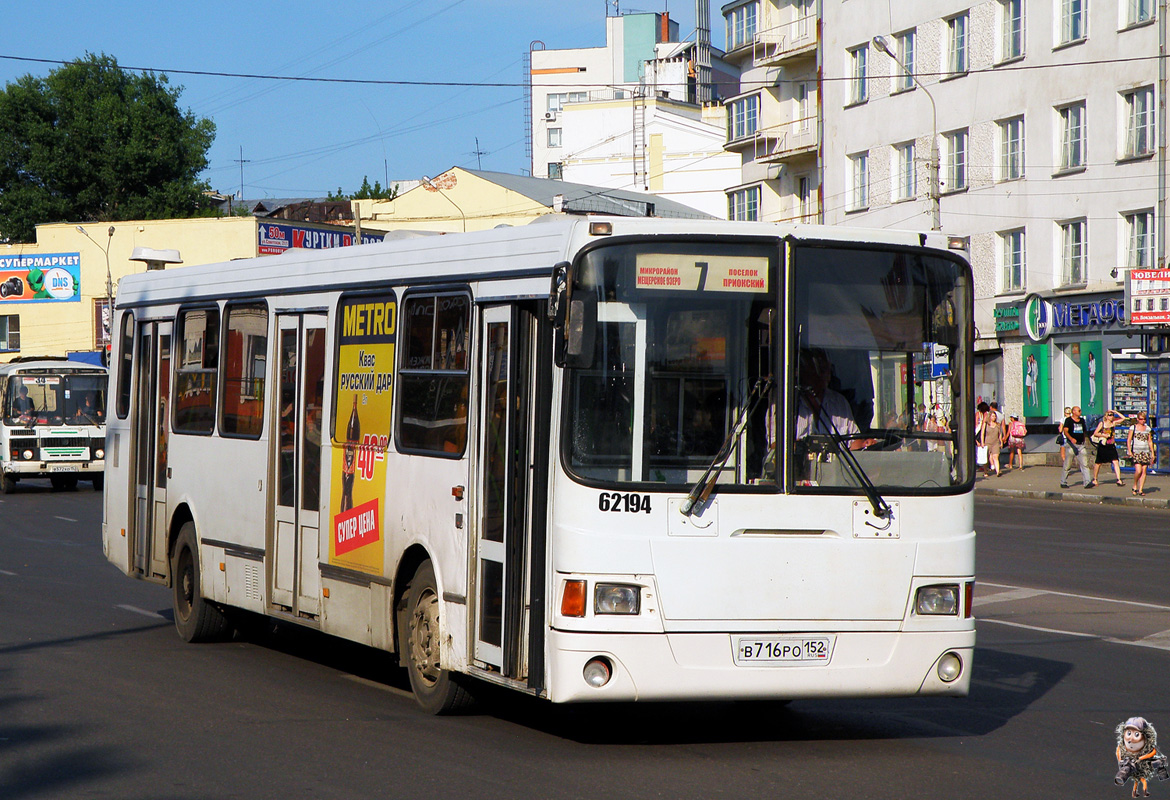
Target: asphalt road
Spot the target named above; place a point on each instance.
(100, 698)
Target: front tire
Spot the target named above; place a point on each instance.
(98, 482)
(196, 619)
(419, 643)
(7, 484)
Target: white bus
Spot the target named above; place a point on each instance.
(564, 457)
(52, 422)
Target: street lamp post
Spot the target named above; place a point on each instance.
(932, 167)
(432, 185)
(109, 279)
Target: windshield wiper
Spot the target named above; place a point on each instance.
(702, 489)
(880, 507)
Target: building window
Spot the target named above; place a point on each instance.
(1139, 122)
(9, 333)
(1139, 249)
(744, 116)
(1011, 41)
(858, 182)
(905, 179)
(1013, 260)
(804, 198)
(556, 170)
(1011, 137)
(904, 78)
(741, 26)
(859, 72)
(195, 379)
(1139, 11)
(956, 175)
(433, 374)
(1074, 250)
(554, 137)
(744, 205)
(1072, 136)
(957, 45)
(1072, 20)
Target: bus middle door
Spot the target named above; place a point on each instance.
(151, 423)
(296, 579)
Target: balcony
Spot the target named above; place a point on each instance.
(776, 45)
(778, 143)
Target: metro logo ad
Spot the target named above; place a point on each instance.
(360, 435)
(50, 277)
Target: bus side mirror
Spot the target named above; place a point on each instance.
(580, 332)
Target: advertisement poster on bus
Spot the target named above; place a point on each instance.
(1092, 379)
(367, 326)
(48, 277)
(1035, 380)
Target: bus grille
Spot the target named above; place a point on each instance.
(65, 441)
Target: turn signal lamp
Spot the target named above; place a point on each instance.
(968, 599)
(573, 599)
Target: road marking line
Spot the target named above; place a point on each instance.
(1150, 544)
(6, 572)
(1078, 596)
(67, 519)
(1011, 594)
(142, 611)
(1150, 641)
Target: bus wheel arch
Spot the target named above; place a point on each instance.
(419, 637)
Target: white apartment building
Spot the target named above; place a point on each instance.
(626, 115)
(773, 120)
(1046, 116)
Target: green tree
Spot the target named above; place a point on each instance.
(366, 192)
(93, 142)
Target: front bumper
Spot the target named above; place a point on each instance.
(700, 666)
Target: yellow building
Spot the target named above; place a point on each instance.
(475, 200)
(53, 292)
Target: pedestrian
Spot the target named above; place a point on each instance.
(1103, 437)
(1073, 429)
(992, 438)
(1016, 430)
(1140, 448)
(1060, 434)
(981, 410)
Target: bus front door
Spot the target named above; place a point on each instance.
(150, 452)
(508, 536)
(296, 579)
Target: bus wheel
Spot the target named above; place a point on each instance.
(98, 482)
(419, 637)
(196, 619)
(7, 484)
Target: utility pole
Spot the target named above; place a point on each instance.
(242, 161)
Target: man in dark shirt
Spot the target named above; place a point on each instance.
(1073, 429)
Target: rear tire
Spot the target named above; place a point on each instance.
(7, 484)
(196, 619)
(419, 642)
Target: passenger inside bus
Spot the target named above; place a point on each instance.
(22, 405)
(88, 413)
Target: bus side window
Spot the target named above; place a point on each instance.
(198, 356)
(433, 374)
(126, 349)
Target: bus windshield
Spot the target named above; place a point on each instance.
(678, 366)
(877, 367)
(56, 399)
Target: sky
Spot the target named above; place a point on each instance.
(302, 138)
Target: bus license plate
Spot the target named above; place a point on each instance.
(783, 650)
(63, 468)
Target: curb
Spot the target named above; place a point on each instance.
(1079, 497)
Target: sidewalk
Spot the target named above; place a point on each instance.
(1043, 483)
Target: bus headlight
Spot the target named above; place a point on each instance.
(950, 666)
(615, 598)
(27, 455)
(99, 454)
(597, 672)
(941, 600)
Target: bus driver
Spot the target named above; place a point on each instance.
(22, 404)
(820, 409)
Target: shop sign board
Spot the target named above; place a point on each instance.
(1147, 296)
(1041, 317)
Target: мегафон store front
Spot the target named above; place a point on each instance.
(1081, 350)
